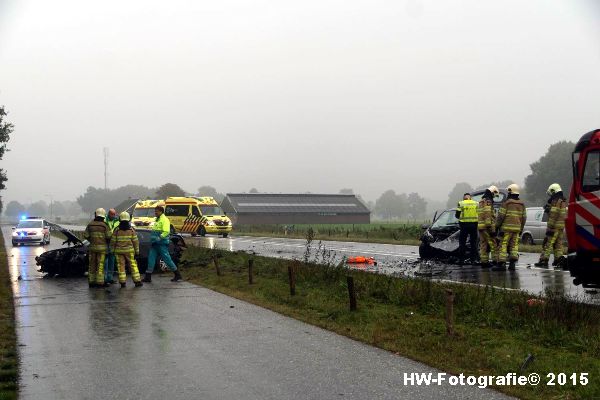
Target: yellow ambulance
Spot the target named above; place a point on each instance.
(143, 213)
(197, 216)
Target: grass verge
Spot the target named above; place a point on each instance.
(495, 329)
(8, 338)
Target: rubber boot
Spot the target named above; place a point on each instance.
(558, 262)
(147, 277)
(511, 265)
(176, 276)
(500, 266)
(541, 264)
(123, 284)
(485, 265)
(92, 285)
(138, 284)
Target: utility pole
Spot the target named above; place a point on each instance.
(105, 168)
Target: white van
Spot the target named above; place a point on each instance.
(535, 226)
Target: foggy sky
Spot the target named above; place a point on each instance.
(292, 96)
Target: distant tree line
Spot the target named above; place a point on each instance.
(15, 209)
(99, 197)
(401, 206)
(6, 128)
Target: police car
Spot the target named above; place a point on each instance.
(31, 230)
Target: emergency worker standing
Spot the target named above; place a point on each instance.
(126, 247)
(466, 214)
(486, 225)
(557, 212)
(160, 245)
(98, 234)
(510, 223)
(109, 265)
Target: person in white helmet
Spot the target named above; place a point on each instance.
(510, 223)
(98, 234)
(486, 226)
(125, 245)
(557, 212)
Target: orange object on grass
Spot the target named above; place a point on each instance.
(361, 260)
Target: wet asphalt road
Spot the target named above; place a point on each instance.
(180, 341)
(404, 261)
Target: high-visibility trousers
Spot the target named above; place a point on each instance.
(123, 260)
(159, 250)
(553, 243)
(509, 246)
(96, 267)
(487, 245)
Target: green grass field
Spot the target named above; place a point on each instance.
(406, 233)
(397, 233)
(8, 338)
(495, 329)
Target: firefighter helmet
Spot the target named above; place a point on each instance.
(494, 190)
(124, 216)
(100, 212)
(513, 189)
(554, 188)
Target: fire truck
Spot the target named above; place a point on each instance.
(583, 215)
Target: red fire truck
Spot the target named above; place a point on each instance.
(583, 216)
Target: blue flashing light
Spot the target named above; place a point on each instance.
(23, 217)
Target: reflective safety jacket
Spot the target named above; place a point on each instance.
(162, 226)
(467, 210)
(98, 234)
(112, 223)
(558, 213)
(124, 242)
(511, 216)
(486, 218)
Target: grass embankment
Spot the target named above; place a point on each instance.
(8, 338)
(495, 329)
(408, 233)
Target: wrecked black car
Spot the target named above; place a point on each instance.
(440, 239)
(73, 260)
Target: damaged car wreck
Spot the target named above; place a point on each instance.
(440, 239)
(73, 260)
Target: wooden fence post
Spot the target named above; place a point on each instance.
(250, 273)
(351, 292)
(292, 277)
(216, 261)
(449, 312)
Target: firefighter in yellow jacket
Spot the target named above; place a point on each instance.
(557, 212)
(510, 223)
(125, 245)
(486, 226)
(98, 234)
